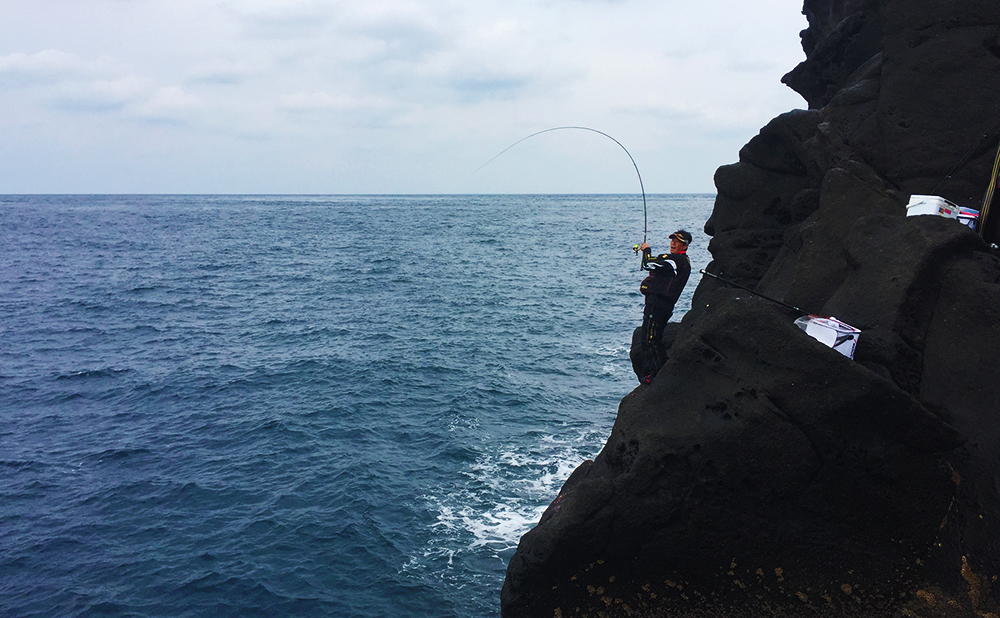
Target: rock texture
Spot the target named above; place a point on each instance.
(761, 473)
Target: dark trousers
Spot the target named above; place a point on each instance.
(652, 339)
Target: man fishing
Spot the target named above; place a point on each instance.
(668, 273)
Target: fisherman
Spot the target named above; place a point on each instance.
(668, 273)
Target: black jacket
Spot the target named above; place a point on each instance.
(665, 283)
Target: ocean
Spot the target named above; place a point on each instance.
(343, 406)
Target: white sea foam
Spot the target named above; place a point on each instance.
(508, 489)
(501, 527)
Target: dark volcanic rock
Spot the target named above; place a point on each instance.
(762, 473)
(842, 36)
(716, 478)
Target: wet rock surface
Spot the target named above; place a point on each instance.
(762, 473)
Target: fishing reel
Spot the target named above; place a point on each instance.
(636, 250)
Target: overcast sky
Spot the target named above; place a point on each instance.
(385, 96)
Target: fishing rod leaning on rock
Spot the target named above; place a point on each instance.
(755, 292)
(641, 187)
(984, 209)
(988, 198)
(829, 331)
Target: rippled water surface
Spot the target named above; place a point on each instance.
(303, 406)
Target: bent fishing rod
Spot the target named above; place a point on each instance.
(641, 188)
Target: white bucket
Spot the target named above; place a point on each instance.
(831, 332)
(931, 205)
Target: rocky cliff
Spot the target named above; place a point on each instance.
(762, 473)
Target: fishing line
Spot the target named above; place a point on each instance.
(641, 188)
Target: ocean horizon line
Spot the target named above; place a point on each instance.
(698, 194)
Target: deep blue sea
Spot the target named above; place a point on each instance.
(306, 405)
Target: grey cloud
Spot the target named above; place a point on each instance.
(221, 72)
(322, 101)
(100, 95)
(48, 66)
(284, 23)
(407, 41)
(84, 104)
(138, 97)
(486, 87)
